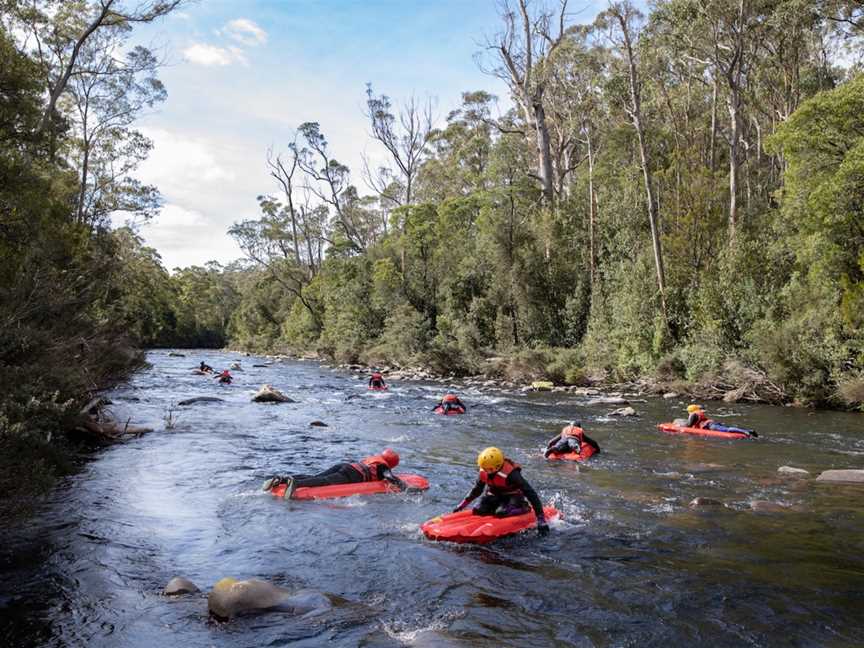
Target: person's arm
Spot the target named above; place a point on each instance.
(473, 494)
(516, 480)
(553, 441)
(693, 419)
(385, 474)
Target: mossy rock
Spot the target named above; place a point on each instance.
(542, 385)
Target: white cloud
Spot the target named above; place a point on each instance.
(246, 32)
(186, 237)
(211, 55)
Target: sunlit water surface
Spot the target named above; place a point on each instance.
(630, 565)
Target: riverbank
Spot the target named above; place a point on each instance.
(529, 370)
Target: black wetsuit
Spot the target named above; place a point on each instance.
(563, 445)
(493, 503)
(451, 406)
(376, 382)
(344, 473)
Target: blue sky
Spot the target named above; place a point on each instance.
(242, 75)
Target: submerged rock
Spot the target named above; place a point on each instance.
(318, 424)
(624, 411)
(231, 597)
(201, 399)
(174, 354)
(609, 400)
(764, 506)
(789, 470)
(848, 476)
(705, 501)
(180, 585)
(269, 394)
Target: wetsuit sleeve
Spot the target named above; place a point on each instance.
(553, 441)
(475, 492)
(591, 442)
(385, 474)
(516, 480)
(693, 419)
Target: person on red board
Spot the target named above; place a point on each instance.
(374, 468)
(506, 491)
(571, 439)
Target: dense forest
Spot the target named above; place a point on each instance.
(677, 195)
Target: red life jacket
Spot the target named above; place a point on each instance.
(450, 398)
(377, 376)
(368, 467)
(701, 420)
(571, 431)
(496, 482)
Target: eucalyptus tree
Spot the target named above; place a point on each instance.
(521, 55)
(622, 23)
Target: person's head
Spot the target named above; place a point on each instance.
(490, 460)
(450, 398)
(694, 408)
(571, 425)
(202, 364)
(391, 457)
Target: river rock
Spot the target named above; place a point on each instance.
(318, 424)
(764, 506)
(789, 470)
(847, 476)
(231, 597)
(201, 399)
(609, 400)
(236, 367)
(262, 366)
(174, 354)
(624, 411)
(180, 585)
(705, 501)
(670, 395)
(542, 385)
(268, 394)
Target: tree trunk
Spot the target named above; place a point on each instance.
(592, 209)
(544, 151)
(734, 136)
(636, 115)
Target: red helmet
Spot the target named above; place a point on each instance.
(450, 398)
(391, 457)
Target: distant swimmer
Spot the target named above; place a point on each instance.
(450, 404)
(571, 439)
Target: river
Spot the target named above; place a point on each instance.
(631, 564)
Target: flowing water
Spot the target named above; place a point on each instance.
(631, 564)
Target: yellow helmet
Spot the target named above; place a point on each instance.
(490, 459)
(693, 408)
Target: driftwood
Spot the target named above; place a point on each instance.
(98, 424)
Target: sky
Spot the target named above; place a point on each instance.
(242, 75)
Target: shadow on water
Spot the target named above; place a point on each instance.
(630, 564)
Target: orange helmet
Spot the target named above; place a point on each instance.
(391, 457)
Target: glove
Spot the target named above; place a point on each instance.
(542, 528)
(458, 508)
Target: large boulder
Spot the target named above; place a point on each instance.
(847, 476)
(231, 597)
(542, 385)
(179, 585)
(269, 394)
